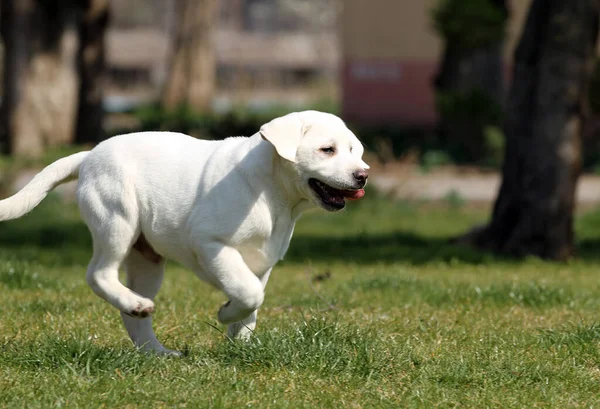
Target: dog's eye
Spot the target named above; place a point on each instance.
(329, 150)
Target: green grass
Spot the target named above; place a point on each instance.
(371, 308)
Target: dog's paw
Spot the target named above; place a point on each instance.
(142, 311)
(169, 353)
(160, 350)
(241, 331)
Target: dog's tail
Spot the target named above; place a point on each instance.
(61, 171)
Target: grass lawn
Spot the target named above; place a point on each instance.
(371, 308)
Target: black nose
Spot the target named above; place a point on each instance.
(361, 177)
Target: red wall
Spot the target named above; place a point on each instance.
(389, 92)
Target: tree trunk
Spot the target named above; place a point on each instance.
(15, 16)
(192, 75)
(40, 76)
(91, 66)
(533, 214)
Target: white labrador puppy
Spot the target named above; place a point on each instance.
(224, 209)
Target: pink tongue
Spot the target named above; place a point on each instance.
(353, 194)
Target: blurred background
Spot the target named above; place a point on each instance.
(481, 101)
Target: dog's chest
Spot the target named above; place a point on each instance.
(264, 249)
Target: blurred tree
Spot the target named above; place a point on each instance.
(192, 74)
(92, 70)
(40, 75)
(533, 214)
(470, 73)
(53, 71)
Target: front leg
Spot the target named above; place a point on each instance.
(243, 329)
(227, 269)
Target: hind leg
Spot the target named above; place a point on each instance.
(112, 242)
(145, 278)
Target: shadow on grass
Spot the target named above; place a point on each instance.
(54, 233)
(70, 242)
(51, 234)
(54, 224)
(384, 248)
(589, 249)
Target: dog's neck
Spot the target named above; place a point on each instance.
(283, 173)
(287, 179)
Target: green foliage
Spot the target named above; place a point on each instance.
(433, 159)
(454, 199)
(594, 89)
(469, 24)
(237, 122)
(182, 119)
(472, 119)
(591, 147)
(473, 105)
(495, 142)
(9, 164)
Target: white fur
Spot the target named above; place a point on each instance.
(224, 209)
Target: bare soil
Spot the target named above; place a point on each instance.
(410, 182)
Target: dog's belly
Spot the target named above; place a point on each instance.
(145, 249)
(172, 248)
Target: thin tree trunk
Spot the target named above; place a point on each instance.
(16, 22)
(91, 63)
(192, 75)
(40, 79)
(533, 214)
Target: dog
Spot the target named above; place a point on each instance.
(224, 209)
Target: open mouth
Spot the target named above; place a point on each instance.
(334, 198)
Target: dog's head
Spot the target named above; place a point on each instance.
(325, 154)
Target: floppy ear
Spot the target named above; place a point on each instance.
(285, 134)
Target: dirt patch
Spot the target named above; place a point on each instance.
(408, 181)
